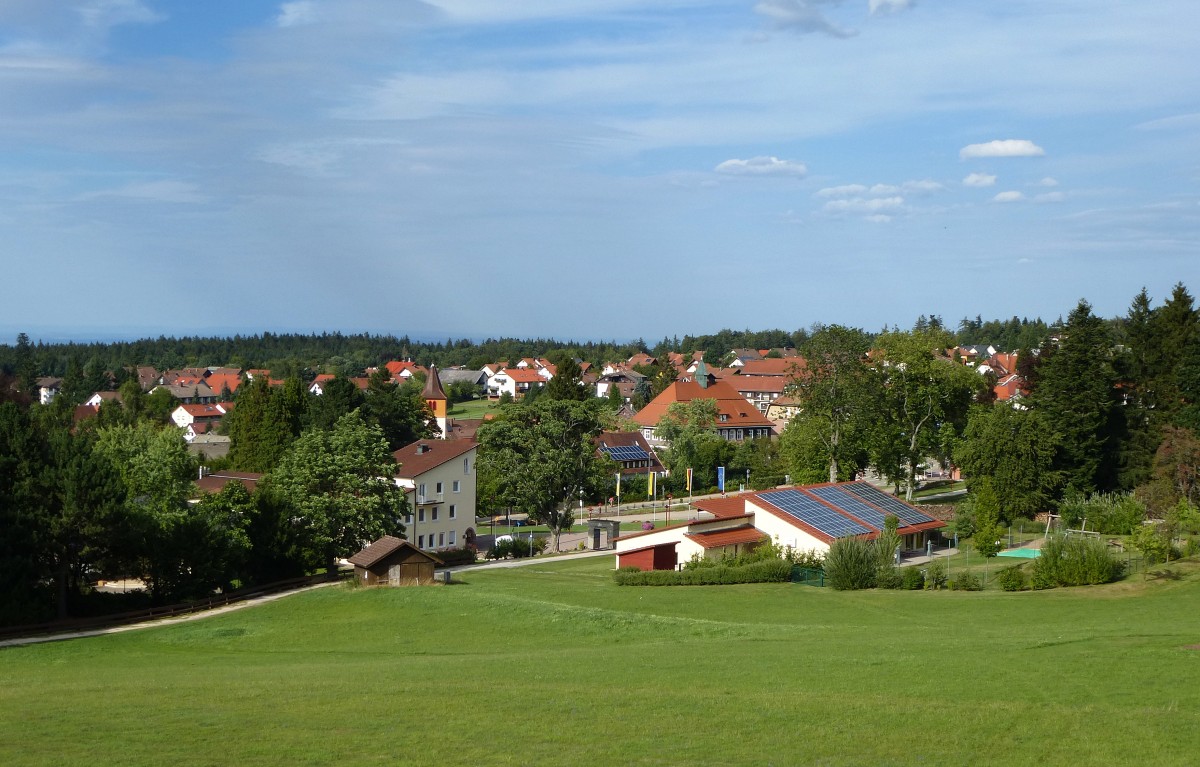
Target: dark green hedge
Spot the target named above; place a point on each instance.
(771, 571)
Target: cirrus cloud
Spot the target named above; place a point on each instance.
(1001, 148)
(1008, 197)
(762, 166)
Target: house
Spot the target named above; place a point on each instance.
(48, 388)
(317, 387)
(739, 357)
(759, 391)
(224, 381)
(807, 518)
(204, 444)
(630, 450)
(208, 415)
(626, 382)
(771, 366)
(439, 477)
(147, 377)
(476, 378)
(402, 370)
(782, 410)
(737, 419)
(215, 481)
(195, 393)
(100, 397)
(516, 382)
(393, 561)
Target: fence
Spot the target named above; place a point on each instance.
(808, 576)
(165, 611)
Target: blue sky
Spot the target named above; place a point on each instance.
(588, 168)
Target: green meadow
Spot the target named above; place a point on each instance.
(553, 664)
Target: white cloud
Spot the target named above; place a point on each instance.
(1008, 197)
(102, 14)
(846, 190)
(923, 186)
(879, 218)
(864, 205)
(979, 179)
(801, 16)
(297, 13)
(890, 6)
(1050, 197)
(153, 191)
(1002, 148)
(762, 166)
(1047, 181)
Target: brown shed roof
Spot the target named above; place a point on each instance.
(385, 546)
(717, 538)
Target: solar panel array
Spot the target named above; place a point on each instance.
(889, 503)
(861, 510)
(627, 453)
(813, 513)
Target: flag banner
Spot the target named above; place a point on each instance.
(721, 478)
(650, 484)
(618, 487)
(689, 479)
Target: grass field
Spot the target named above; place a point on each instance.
(553, 664)
(476, 408)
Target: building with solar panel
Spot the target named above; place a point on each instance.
(808, 518)
(630, 450)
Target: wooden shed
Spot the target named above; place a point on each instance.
(393, 561)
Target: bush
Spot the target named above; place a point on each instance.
(767, 571)
(1012, 579)
(935, 575)
(1075, 561)
(1108, 513)
(455, 557)
(966, 581)
(888, 577)
(912, 578)
(516, 548)
(850, 564)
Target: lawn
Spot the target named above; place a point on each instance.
(553, 664)
(476, 408)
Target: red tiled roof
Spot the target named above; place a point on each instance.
(383, 547)
(737, 411)
(718, 538)
(724, 508)
(419, 457)
(773, 367)
(523, 375)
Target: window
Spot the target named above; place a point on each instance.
(420, 515)
(420, 541)
(441, 539)
(466, 466)
(456, 486)
(453, 515)
(451, 537)
(439, 488)
(421, 491)
(433, 513)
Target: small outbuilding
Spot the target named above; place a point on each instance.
(393, 561)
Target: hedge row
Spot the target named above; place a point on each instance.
(770, 571)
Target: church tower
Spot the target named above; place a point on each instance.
(436, 401)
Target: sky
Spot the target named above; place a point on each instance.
(589, 169)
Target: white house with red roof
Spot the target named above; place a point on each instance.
(806, 518)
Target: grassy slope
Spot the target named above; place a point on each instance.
(552, 664)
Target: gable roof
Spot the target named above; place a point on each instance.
(737, 411)
(384, 547)
(415, 459)
(772, 366)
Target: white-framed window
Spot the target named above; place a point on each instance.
(420, 515)
(441, 539)
(451, 537)
(456, 486)
(466, 466)
(439, 488)
(421, 490)
(433, 513)
(453, 512)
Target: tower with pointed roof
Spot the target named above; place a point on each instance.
(436, 400)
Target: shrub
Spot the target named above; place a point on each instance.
(888, 577)
(850, 564)
(516, 548)
(912, 578)
(1012, 579)
(1075, 561)
(935, 575)
(1109, 513)
(767, 571)
(455, 557)
(966, 581)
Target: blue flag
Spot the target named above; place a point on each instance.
(721, 478)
